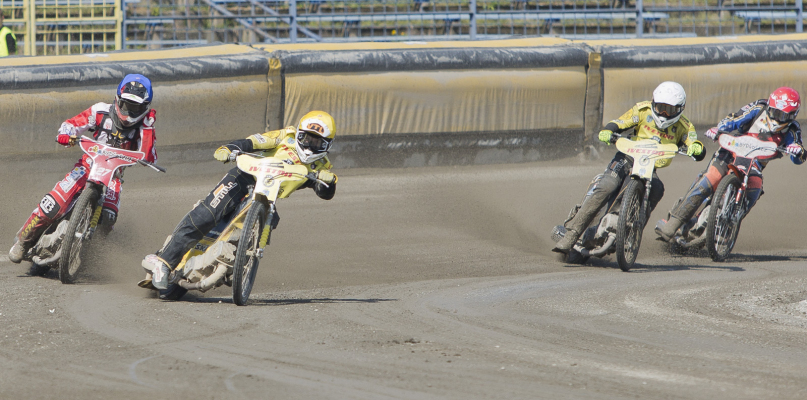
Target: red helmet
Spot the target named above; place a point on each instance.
(783, 105)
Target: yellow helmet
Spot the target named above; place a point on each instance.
(315, 134)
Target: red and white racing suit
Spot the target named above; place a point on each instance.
(99, 121)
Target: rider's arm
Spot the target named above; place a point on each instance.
(793, 136)
(745, 115)
(148, 138)
(325, 193)
(260, 141)
(691, 137)
(628, 120)
(84, 121)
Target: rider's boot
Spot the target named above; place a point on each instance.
(17, 252)
(667, 228)
(565, 244)
(684, 210)
(158, 269)
(28, 235)
(597, 194)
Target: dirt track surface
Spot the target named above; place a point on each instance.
(422, 283)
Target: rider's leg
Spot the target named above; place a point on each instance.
(197, 223)
(754, 188)
(701, 190)
(596, 196)
(656, 193)
(109, 214)
(50, 208)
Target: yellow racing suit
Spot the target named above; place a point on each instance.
(231, 190)
(640, 118)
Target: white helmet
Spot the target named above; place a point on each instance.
(668, 103)
(315, 133)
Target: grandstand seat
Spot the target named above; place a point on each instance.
(757, 17)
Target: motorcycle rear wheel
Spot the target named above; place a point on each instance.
(245, 267)
(72, 244)
(630, 226)
(721, 232)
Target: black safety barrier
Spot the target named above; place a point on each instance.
(702, 54)
(110, 73)
(431, 59)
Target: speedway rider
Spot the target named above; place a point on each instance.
(126, 124)
(660, 119)
(307, 144)
(774, 120)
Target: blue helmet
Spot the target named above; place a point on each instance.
(133, 99)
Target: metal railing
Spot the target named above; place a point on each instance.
(64, 26)
(160, 23)
(80, 26)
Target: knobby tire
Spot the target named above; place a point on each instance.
(70, 261)
(245, 267)
(721, 231)
(631, 224)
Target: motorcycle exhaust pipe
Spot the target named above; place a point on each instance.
(599, 250)
(207, 283)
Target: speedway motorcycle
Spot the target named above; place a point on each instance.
(717, 222)
(618, 226)
(229, 254)
(61, 246)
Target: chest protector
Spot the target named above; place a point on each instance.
(106, 132)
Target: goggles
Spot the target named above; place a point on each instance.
(781, 116)
(313, 142)
(667, 110)
(132, 109)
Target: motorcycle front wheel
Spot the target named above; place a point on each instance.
(245, 267)
(721, 229)
(72, 245)
(630, 226)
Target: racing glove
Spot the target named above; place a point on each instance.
(605, 136)
(711, 133)
(695, 149)
(794, 149)
(326, 176)
(222, 154)
(66, 140)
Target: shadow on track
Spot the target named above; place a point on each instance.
(285, 302)
(639, 268)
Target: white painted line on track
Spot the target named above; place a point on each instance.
(133, 371)
(229, 382)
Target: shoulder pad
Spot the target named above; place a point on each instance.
(290, 129)
(643, 104)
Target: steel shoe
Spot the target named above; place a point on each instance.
(567, 242)
(666, 228)
(158, 269)
(17, 252)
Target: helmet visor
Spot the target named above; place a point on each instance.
(781, 116)
(132, 109)
(667, 110)
(313, 142)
